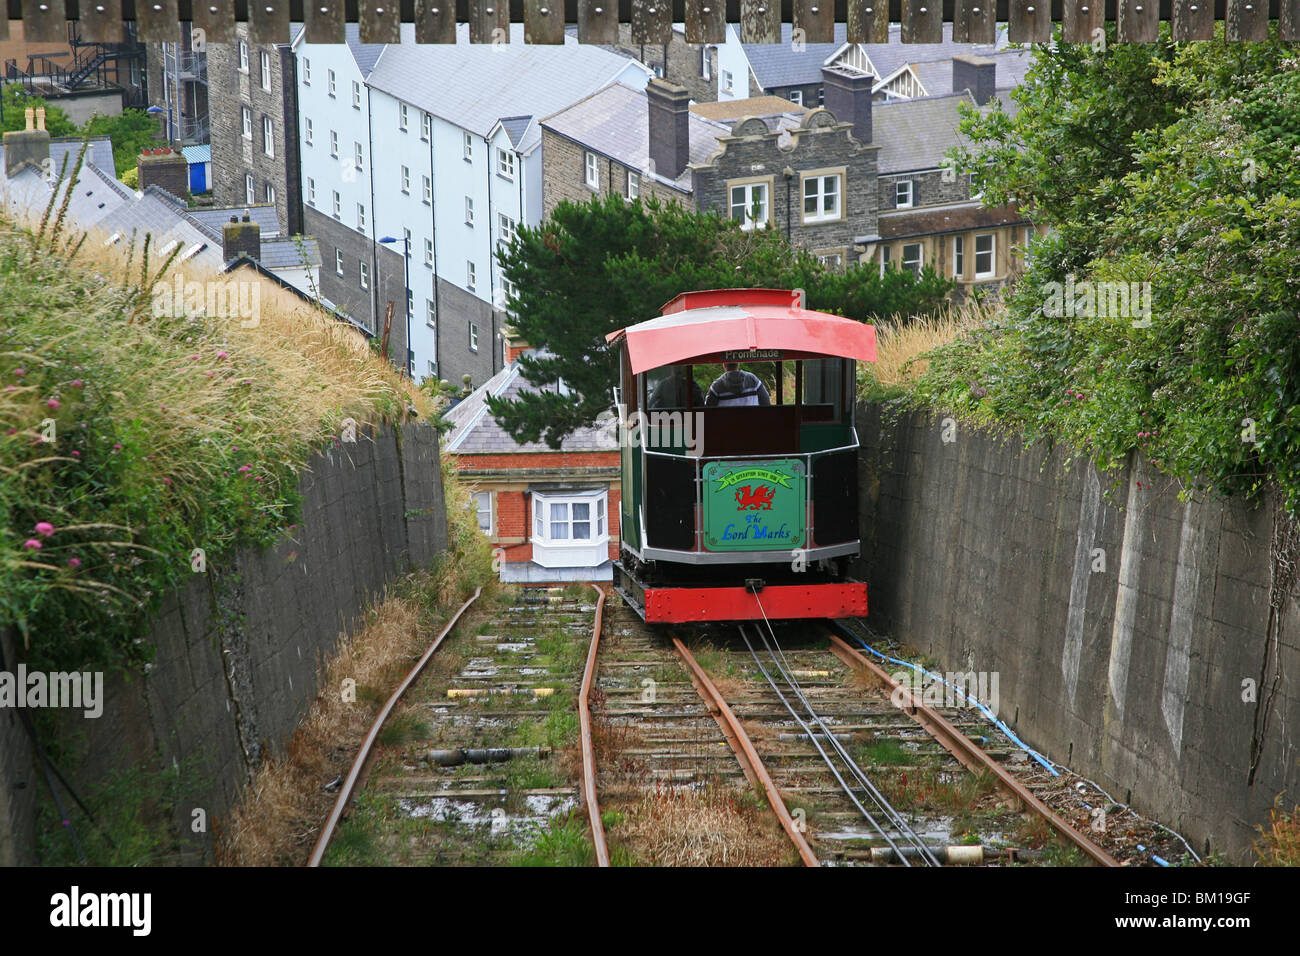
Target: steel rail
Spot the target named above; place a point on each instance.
(745, 751)
(892, 816)
(588, 751)
(965, 749)
(363, 755)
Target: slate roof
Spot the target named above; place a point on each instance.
(475, 431)
(516, 127)
(778, 65)
(366, 55)
(474, 85)
(99, 153)
(284, 253)
(212, 219)
(615, 122)
(915, 134)
(1009, 68)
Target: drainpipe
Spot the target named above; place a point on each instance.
(374, 255)
(433, 216)
(789, 175)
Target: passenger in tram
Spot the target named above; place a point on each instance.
(671, 390)
(734, 387)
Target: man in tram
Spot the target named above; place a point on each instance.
(734, 387)
(671, 390)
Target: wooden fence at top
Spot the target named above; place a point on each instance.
(651, 21)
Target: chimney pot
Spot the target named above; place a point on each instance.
(30, 115)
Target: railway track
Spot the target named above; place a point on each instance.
(480, 752)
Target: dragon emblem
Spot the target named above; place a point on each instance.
(749, 498)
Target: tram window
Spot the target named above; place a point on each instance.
(666, 388)
(823, 382)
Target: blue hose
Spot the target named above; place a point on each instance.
(984, 710)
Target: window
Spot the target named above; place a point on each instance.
(358, 156)
(796, 97)
(831, 260)
(426, 127)
(507, 289)
(334, 144)
(246, 115)
(406, 179)
(331, 83)
(704, 62)
(749, 205)
(356, 95)
(269, 193)
(984, 246)
(268, 136)
(592, 173)
(975, 189)
(482, 503)
(506, 163)
(306, 72)
(250, 194)
(361, 218)
(958, 256)
(471, 276)
(884, 259)
(428, 252)
(469, 148)
(821, 96)
(430, 319)
(821, 198)
(633, 185)
(912, 257)
(428, 190)
(338, 261)
(401, 117)
(265, 64)
(338, 207)
(473, 335)
(507, 229)
(410, 302)
(308, 131)
(311, 191)
(243, 56)
(903, 193)
(726, 81)
(365, 274)
(469, 211)
(576, 519)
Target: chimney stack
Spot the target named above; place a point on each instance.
(30, 145)
(847, 94)
(165, 168)
(241, 239)
(974, 73)
(670, 137)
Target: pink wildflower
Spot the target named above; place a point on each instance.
(76, 383)
(44, 529)
(52, 403)
(33, 544)
(74, 562)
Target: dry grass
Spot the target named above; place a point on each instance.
(903, 341)
(711, 827)
(1279, 844)
(279, 819)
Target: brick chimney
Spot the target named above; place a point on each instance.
(163, 167)
(848, 97)
(974, 73)
(241, 238)
(515, 346)
(30, 145)
(670, 137)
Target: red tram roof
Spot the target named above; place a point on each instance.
(699, 324)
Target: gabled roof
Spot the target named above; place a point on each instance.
(473, 85)
(99, 153)
(365, 55)
(915, 134)
(475, 431)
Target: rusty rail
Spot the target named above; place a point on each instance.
(588, 753)
(363, 755)
(745, 752)
(965, 750)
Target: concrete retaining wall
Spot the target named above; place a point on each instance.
(1131, 631)
(238, 649)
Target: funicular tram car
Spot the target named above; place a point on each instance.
(740, 502)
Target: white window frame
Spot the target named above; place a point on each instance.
(268, 137)
(332, 85)
(885, 257)
(473, 336)
(991, 252)
(919, 260)
(243, 56)
(430, 314)
(311, 191)
(427, 185)
(402, 117)
(264, 65)
(250, 189)
(268, 191)
(361, 217)
(308, 131)
(356, 95)
(406, 180)
(820, 177)
(426, 126)
(358, 156)
(471, 282)
(306, 71)
(338, 261)
(468, 148)
(728, 81)
(507, 230)
(505, 164)
(428, 253)
(542, 520)
(334, 144)
(796, 97)
(364, 273)
(958, 257)
(899, 192)
(338, 206)
(747, 223)
(246, 122)
(469, 211)
(591, 170)
(633, 185)
(477, 501)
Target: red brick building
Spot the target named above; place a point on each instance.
(551, 515)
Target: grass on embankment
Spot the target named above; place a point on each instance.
(128, 439)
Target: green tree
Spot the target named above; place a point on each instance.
(16, 101)
(597, 267)
(131, 132)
